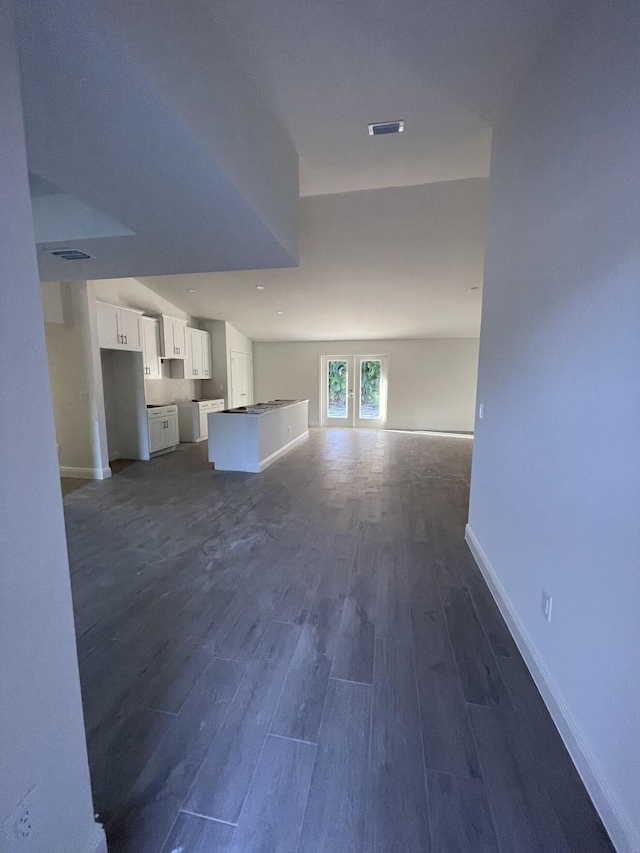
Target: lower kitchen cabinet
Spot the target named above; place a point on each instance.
(163, 428)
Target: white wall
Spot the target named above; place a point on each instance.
(431, 382)
(555, 491)
(76, 382)
(225, 339)
(130, 293)
(43, 752)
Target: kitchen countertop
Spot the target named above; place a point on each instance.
(258, 409)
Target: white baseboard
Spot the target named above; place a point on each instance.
(617, 823)
(85, 473)
(99, 843)
(274, 456)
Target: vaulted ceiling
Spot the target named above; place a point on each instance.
(183, 122)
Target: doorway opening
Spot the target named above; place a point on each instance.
(354, 390)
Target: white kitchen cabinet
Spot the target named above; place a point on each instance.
(119, 328)
(206, 355)
(192, 418)
(173, 337)
(151, 347)
(198, 361)
(163, 428)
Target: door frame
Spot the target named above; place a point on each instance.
(353, 419)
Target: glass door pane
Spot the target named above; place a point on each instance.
(337, 387)
(370, 382)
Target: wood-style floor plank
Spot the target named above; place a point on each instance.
(336, 814)
(221, 785)
(482, 682)
(160, 790)
(399, 813)
(199, 835)
(460, 817)
(582, 827)
(329, 558)
(523, 815)
(299, 711)
(353, 657)
(271, 818)
(446, 729)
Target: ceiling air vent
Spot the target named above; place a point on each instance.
(383, 127)
(69, 254)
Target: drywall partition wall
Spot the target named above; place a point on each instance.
(43, 756)
(225, 339)
(555, 489)
(234, 207)
(54, 306)
(76, 385)
(131, 293)
(125, 405)
(431, 382)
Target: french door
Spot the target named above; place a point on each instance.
(354, 390)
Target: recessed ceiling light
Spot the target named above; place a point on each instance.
(191, 290)
(383, 127)
(279, 312)
(259, 286)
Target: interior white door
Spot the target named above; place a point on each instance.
(241, 379)
(354, 391)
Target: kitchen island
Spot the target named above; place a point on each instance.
(250, 438)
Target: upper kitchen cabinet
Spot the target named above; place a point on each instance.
(119, 328)
(173, 337)
(199, 354)
(151, 347)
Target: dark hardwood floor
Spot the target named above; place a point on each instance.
(308, 661)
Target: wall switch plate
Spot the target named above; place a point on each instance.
(547, 602)
(481, 411)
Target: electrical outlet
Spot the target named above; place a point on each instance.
(547, 602)
(481, 411)
(20, 825)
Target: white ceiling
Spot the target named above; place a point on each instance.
(391, 228)
(182, 123)
(386, 263)
(329, 68)
(173, 144)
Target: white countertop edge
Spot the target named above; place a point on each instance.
(246, 415)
